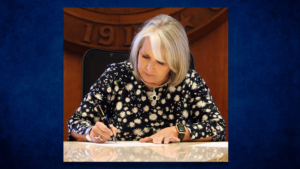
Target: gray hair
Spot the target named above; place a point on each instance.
(168, 35)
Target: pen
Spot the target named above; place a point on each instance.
(103, 118)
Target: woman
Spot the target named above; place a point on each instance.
(153, 97)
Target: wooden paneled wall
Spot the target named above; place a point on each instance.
(207, 30)
(211, 61)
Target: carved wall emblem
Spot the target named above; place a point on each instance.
(114, 28)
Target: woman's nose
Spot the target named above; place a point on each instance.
(150, 66)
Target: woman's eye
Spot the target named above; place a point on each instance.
(144, 56)
(160, 63)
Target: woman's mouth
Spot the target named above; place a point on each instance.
(147, 74)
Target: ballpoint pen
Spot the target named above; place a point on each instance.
(103, 118)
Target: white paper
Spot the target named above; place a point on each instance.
(127, 144)
(212, 144)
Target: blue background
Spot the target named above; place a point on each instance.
(264, 80)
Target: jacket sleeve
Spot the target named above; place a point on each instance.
(205, 119)
(100, 94)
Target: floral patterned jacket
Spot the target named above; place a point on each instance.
(128, 106)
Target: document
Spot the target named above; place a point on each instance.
(127, 144)
(212, 144)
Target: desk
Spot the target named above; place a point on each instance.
(133, 151)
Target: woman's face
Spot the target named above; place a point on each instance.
(152, 71)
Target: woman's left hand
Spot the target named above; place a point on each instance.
(166, 136)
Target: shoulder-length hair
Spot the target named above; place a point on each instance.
(169, 45)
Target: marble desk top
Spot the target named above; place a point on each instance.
(133, 151)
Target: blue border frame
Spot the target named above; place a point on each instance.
(264, 77)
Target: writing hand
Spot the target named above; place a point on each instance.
(100, 133)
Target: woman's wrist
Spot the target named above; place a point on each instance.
(175, 131)
(187, 136)
(87, 133)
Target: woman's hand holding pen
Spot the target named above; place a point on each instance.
(166, 136)
(100, 133)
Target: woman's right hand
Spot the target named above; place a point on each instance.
(100, 133)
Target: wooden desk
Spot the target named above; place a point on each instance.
(133, 151)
